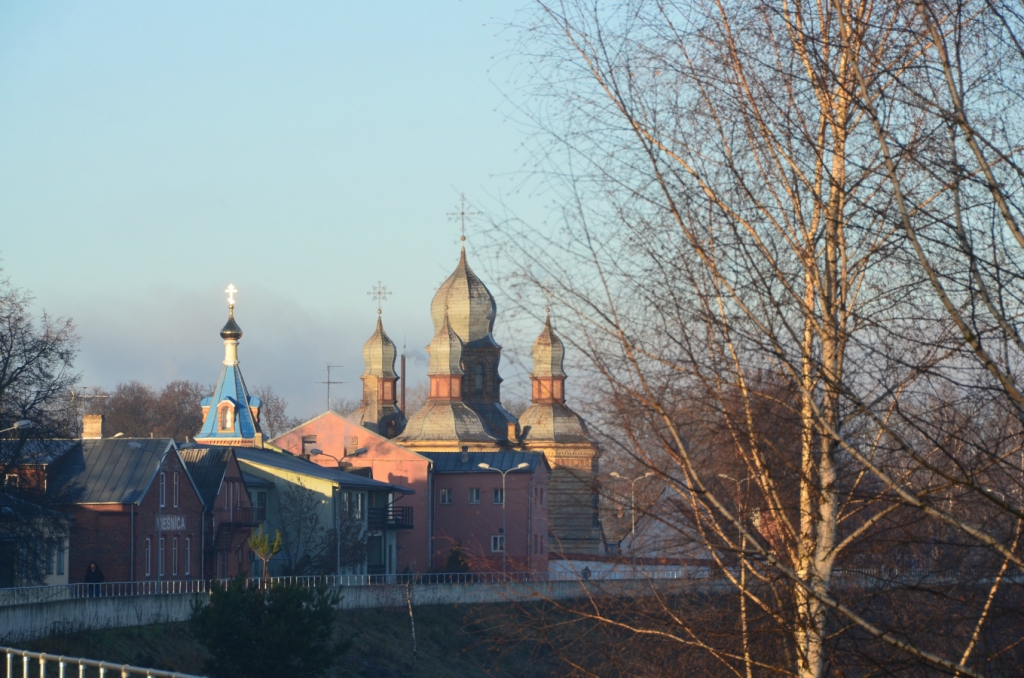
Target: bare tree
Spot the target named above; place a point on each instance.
(274, 418)
(737, 271)
(311, 545)
(36, 377)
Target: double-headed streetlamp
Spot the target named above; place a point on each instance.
(504, 532)
(632, 499)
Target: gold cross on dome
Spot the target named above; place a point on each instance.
(231, 290)
(380, 294)
(462, 215)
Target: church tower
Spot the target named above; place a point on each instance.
(379, 412)
(446, 422)
(549, 426)
(231, 416)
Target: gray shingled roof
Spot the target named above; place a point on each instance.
(207, 465)
(289, 462)
(109, 470)
(451, 462)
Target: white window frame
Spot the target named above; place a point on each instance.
(474, 495)
(149, 557)
(174, 557)
(163, 490)
(188, 556)
(498, 496)
(162, 545)
(446, 497)
(60, 556)
(175, 489)
(497, 543)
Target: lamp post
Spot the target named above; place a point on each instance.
(504, 500)
(337, 512)
(632, 500)
(24, 424)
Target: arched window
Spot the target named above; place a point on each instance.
(478, 378)
(226, 418)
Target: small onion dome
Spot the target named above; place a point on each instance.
(445, 351)
(231, 329)
(379, 354)
(467, 302)
(548, 353)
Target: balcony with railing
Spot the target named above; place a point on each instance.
(390, 518)
(242, 516)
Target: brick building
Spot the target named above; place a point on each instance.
(135, 510)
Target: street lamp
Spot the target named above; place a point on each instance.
(632, 499)
(19, 425)
(504, 532)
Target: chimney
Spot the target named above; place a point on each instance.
(402, 406)
(94, 426)
(465, 454)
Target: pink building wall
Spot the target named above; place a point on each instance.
(389, 463)
(473, 525)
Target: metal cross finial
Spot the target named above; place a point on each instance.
(380, 294)
(231, 290)
(462, 215)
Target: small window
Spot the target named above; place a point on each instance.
(351, 444)
(499, 496)
(188, 556)
(261, 506)
(163, 490)
(12, 480)
(478, 378)
(60, 557)
(174, 557)
(474, 495)
(149, 557)
(446, 496)
(160, 557)
(308, 444)
(497, 543)
(388, 387)
(175, 489)
(48, 558)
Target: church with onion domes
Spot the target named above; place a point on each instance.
(463, 412)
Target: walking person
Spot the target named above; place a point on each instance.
(93, 578)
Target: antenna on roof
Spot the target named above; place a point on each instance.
(329, 382)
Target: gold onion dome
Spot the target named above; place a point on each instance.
(445, 350)
(467, 302)
(548, 353)
(231, 329)
(379, 354)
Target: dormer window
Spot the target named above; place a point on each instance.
(478, 378)
(225, 417)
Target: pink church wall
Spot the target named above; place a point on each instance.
(388, 462)
(473, 525)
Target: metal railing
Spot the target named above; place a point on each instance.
(389, 518)
(63, 663)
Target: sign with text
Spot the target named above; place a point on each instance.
(170, 523)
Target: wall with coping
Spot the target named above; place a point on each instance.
(20, 623)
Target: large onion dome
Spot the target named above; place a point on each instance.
(470, 307)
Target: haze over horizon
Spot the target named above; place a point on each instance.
(155, 154)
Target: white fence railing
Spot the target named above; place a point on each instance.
(868, 578)
(27, 659)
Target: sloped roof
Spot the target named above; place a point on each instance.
(445, 420)
(452, 462)
(554, 422)
(37, 451)
(109, 470)
(207, 466)
(252, 481)
(289, 462)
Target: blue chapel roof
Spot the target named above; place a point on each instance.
(230, 387)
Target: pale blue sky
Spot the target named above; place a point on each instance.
(151, 153)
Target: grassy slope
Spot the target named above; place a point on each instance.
(453, 642)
